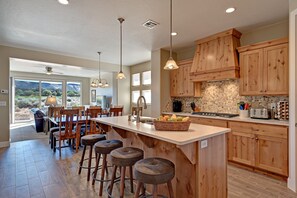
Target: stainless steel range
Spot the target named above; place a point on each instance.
(213, 114)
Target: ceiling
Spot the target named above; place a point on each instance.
(82, 28)
(22, 65)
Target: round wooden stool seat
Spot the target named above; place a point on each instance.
(154, 170)
(126, 156)
(92, 139)
(106, 146)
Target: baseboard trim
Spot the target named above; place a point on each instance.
(4, 144)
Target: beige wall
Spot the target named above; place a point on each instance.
(269, 32)
(11, 52)
(142, 67)
(264, 33)
(123, 87)
(4, 84)
(292, 5)
(160, 82)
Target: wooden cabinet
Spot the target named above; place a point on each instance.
(260, 146)
(180, 83)
(210, 122)
(241, 143)
(264, 68)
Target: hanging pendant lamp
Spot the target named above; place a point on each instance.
(170, 64)
(121, 74)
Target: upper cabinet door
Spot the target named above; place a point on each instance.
(276, 70)
(251, 72)
(188, 85)
(180, 83)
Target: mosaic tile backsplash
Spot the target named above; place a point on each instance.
(222, 97)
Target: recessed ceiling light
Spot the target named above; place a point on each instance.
(230, 10)
(173, 33)
(64, 2)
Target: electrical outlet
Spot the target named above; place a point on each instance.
(203, 144)
(272, 105)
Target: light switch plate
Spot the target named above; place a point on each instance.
(2, 103)
(203, 144)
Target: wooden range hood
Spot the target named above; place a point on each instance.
(216, 57)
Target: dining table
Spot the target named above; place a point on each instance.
(80, 120)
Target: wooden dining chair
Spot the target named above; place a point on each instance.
(53, 112)
(134, 111)
(91, 126)
(81, 110)
(116, 111)
(68, 133)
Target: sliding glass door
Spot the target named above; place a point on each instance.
(30, 94)
(26, 98)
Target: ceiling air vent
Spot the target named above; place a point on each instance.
(150, 24)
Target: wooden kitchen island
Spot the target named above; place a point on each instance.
(199, 155)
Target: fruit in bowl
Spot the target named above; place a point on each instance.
(173, 118)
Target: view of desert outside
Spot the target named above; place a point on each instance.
(33, 93)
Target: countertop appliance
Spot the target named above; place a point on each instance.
(213, 114)
(260, 113)
(177, 106)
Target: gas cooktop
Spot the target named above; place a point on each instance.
(225, 115)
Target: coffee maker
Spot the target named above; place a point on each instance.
(177, 106)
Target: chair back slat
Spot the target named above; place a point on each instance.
(92, 113)
(116, 111)
(54, 111)
(134, 111)
(95, 107)
(68, 115)
(81, 110)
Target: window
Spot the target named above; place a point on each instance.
(135, 95)
(141, 85)
(73, 94)
(146, 78)
(147, 95)
(136, 79)
(50, 88)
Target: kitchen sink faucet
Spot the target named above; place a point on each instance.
(137, 109)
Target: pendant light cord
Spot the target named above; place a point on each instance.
(170, 28)
(121, 45)
(99, 67)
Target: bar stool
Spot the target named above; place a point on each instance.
(104, 148)
(123, 157)
(89, 140)
(154, 171)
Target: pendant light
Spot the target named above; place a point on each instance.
(170, 64)
(121, 75)
(99, 82)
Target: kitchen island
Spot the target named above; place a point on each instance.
(199, 155)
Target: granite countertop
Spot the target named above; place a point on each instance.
(195, 133)
(260, 121)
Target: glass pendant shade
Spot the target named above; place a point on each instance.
(170, 64)
(93, 84)
(121, 75)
